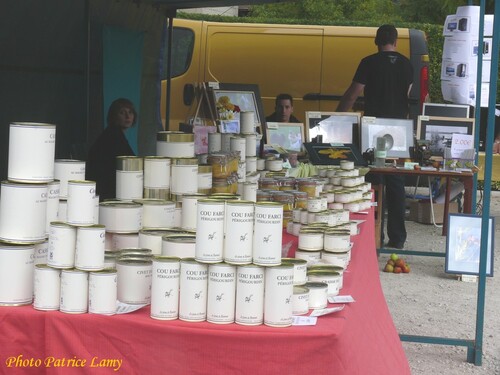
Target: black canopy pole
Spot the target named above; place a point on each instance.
(171, 13)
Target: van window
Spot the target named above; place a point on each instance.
(182, 51)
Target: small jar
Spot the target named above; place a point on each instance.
(307, 185)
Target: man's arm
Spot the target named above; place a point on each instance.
(350, 96)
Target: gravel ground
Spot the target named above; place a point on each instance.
(430, 302)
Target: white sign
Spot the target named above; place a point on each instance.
(461, 143)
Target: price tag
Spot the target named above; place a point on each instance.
(304, 321)
(331, 310)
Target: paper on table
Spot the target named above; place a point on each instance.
(341, 299)
(304, 321)
(124, 308)
(326, 311)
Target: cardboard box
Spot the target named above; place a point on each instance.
(420, 211)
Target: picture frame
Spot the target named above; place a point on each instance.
(289, 135)
(245, 96)
(446, 110)
(399, 131)
(334, 127)
(438, 131)
(463, 244)
(333, 153)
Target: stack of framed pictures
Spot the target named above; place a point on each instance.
(438, 131)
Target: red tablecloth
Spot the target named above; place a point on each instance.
(361, 339)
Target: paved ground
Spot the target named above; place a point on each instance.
(430, 302)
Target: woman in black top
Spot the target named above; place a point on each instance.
(101, 161)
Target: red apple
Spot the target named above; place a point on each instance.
(397, 269)
(400, 263)
(406, 268)
(391, 262)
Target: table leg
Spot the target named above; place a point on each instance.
(379, 212)
(446, 206)
(467, 194)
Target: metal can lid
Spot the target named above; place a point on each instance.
(135, 250)
(323, 273)
(316, 285)
(90, 227)
(129, 163)
(180, 238)
(126, 260)
(81, 182)
(154, 202)
(61, 224)
(174, 136)
(156, 157)
(33, 125)
(43, 266)
(184, 161)
(325, 266)
(294, 260)
(104, 272)
(300, 289)
(120, 204)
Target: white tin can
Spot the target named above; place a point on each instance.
(311, 257)
(193, 290)
(226, 141)
(118, 241)
(221, 299)
(250, 191)
(184, 178)
(300, 300)
(214, 142)
(251, 164)
(156, 172)
(210, 231)
(62, 245)
(74, 291)
(189, 210)
(89, 253)
(250, 146)
(120, 217)
(134, 279)
(318, 295)
(68, 169)
(336, 258)
(129, 177)
(175, 144)
(204, 179)
(41, 252)
(331, 278)
(23, 212)
(268, 232)
(103, 291)
(62, 212)
(278, 296)
(179, 245)
(311, 240)
(47, 288)
(52, 203)
(238, 240)
(274, 165)
(238, 144)
(261, 164)
(165, 288)
(250, 295)
(247, 122)
(81, 202)
(337, 241)
(16, 274)
(299, 270)
(242, 171)
(31, 152)
(157, 213)
(152, 238)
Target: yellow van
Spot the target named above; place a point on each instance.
(314, 64)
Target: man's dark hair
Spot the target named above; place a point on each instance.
(283, 97)
(386, 34)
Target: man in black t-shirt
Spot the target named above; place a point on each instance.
(386, 78)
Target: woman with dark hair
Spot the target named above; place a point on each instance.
(101, 161)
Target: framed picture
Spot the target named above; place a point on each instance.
(333, 153)
(334, 127)
(288, 135)
(446, 110)
(229, 99)
(398, 134)
(463, 244)
(438, 131)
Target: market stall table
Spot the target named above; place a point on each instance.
(360, 339)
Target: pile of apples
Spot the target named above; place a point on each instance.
(395, 264)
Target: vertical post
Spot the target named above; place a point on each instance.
(86, 73)
(477, 112)
(490, 129)
(170, 15)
